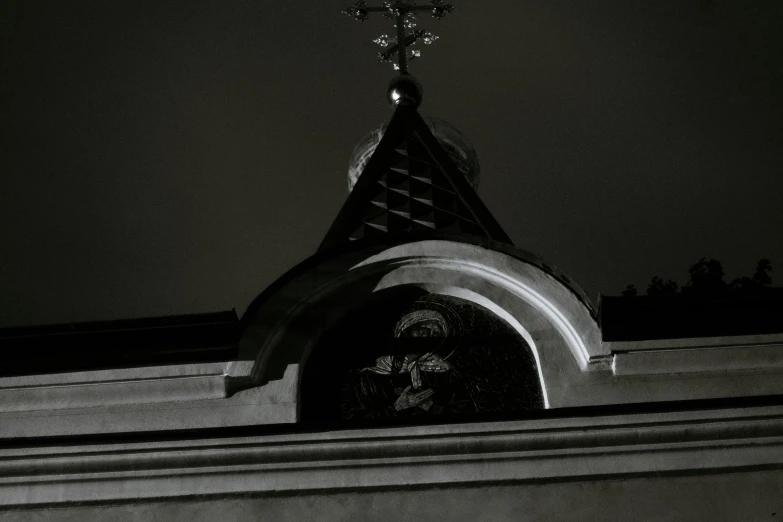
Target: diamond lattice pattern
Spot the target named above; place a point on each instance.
(414, 195)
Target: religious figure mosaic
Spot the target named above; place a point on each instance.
(442, 356)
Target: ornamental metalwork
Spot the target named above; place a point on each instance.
(403, 14)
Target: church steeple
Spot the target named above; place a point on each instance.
(411, 183)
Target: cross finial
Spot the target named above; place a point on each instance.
(403, 13)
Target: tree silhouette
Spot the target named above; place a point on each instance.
(660, 287)
(706, 280)
(761, 276)
(630, 291)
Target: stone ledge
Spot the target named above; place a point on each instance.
(102, 388)
(716, 355)
(535, 450)
(701, 360)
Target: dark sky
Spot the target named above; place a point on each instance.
(166, 158)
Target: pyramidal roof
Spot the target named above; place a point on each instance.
(411, 186)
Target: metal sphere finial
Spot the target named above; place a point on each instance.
(405, 89)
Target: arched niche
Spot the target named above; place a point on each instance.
(293, 317)
(411, 354)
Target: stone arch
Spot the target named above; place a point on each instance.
(549, 315)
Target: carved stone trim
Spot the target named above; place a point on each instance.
(520, 451)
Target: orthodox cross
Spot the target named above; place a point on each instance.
(403, 13)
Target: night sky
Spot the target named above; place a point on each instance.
(163, 158)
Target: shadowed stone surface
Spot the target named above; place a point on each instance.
(718, 498)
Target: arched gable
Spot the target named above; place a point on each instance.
(550, 316)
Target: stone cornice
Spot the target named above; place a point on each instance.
(545, 450)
